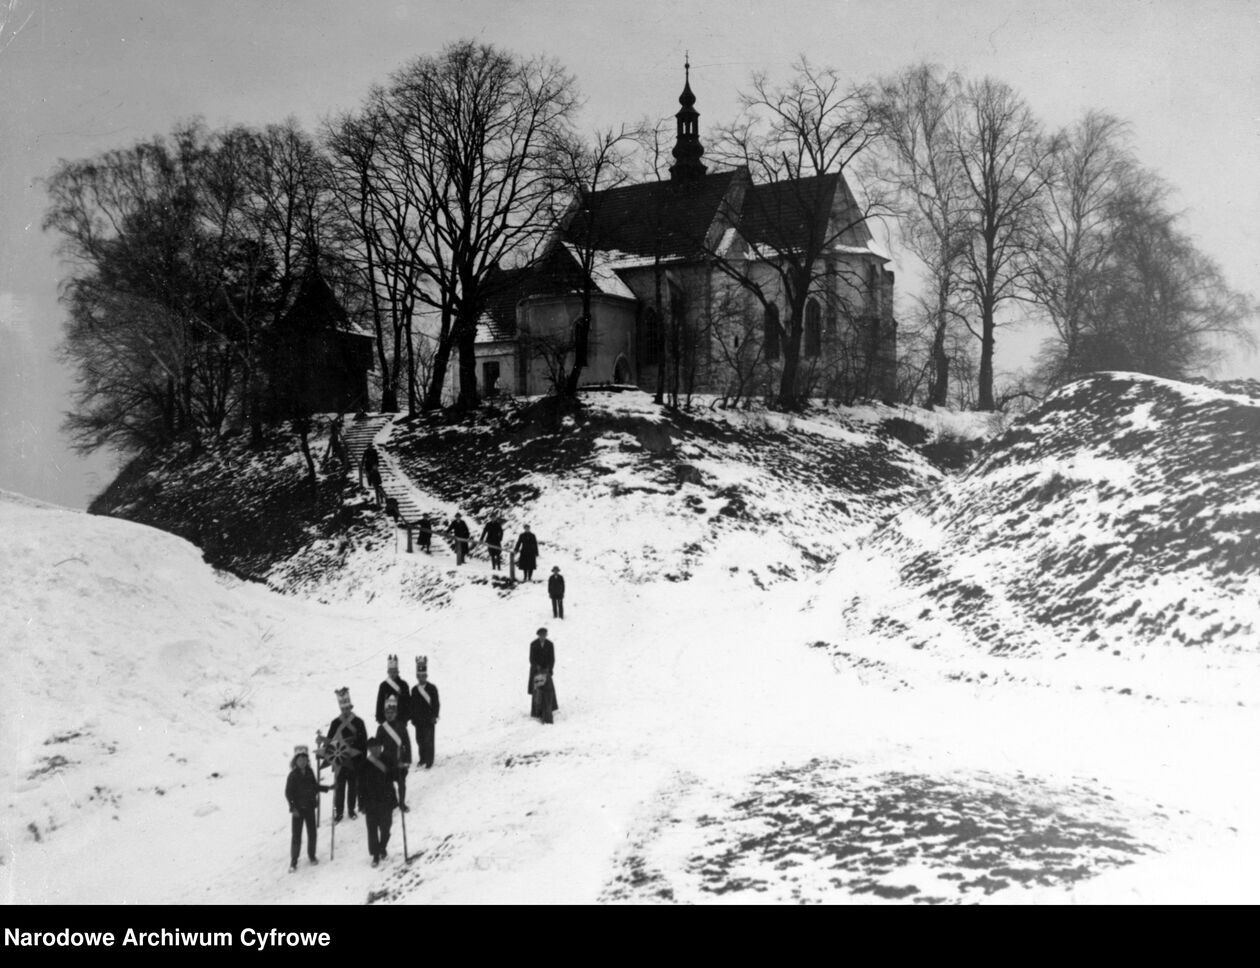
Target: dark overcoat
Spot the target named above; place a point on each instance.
(425, 713)
(376, 786)
(402, 693)
(555, 586)
(542, 658)
(527, 551)
(355, 734)
(302, 788)
(398, 750)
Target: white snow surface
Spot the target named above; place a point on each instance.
(703, 751)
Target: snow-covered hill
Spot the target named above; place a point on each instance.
(1107, 539)
(703, 751)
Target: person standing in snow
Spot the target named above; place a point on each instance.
(527, 553)
(302, 790)
(542, 687)
(397, 745)
(370, 463)
(459, 529)
(555, 588)
(426, 532)
(492, 535)
(377, 798)
(347, 739)
(392, 687)
(425, 707)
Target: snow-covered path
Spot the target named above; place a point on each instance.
(154, 707)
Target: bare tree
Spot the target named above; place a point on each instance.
(1091, 171)
(1164, 307)
(1003, 154)
(920, 108)
(383, 212)
(797, 142)
(471, 131)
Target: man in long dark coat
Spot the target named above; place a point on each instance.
(542, 662)
(527, 553)
(376, 797)
(397, 745)
(492, 535)
(347, 739)
(459, 530)
(425, 707)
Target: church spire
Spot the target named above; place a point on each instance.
(687, 149)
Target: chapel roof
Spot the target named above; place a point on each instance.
(653, 218)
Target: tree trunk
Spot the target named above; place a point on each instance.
(466, 339)
(986, 401)
(939, 394)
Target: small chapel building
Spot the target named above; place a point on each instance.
(683, 287)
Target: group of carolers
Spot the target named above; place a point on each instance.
(371, 772)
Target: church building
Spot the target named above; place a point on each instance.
(687, 290)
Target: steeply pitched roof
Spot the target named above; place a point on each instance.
(796, 213)
(654, 218)
(315, 307)
(556, 273)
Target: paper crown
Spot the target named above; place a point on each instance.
(300, 751)
(422, 663)
(343, 695)
(392, 663)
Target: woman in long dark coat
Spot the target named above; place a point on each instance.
(527, 553)
(542, 687)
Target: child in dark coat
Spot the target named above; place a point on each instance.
(302, 790)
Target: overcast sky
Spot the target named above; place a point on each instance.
(82, 76)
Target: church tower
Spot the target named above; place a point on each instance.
(687, 165)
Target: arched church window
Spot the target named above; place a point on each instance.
(772, 332)
(813, 328)
(649, 338)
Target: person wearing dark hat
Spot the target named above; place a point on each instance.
(376, 797)
(492, 536)
(302, 790)
(459, 528)
(425, 707)
(527, 553)
(397, 744)
(347, 739)
(393, 686)
(542, 687)
(555, 588)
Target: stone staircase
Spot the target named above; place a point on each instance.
(357, 434)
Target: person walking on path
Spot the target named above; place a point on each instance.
(426, 532)
(425, 708)
(302, 790)
(377, 798)
(555, 588)
(459, 528)
(393, 687)
(370, 464)
(392, 733)
(542, 687)
(527, 553)
(347, 739)
(492, 535)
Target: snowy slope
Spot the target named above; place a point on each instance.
(703, 750)
(1108, 538)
